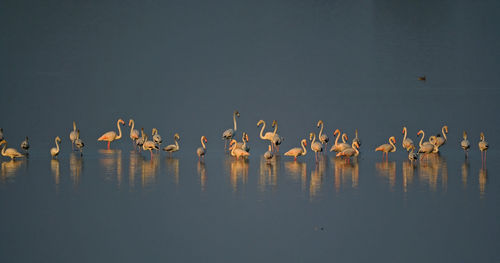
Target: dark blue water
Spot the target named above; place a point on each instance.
(184, 67)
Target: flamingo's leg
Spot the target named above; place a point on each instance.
(108, 144)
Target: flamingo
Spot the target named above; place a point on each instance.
(323, 138)
(425, 147)
(465, 145)
(25, 145)
(78, 142)
(245, 139)
(10, 152)
(237, 152)
(173, 147)
(317, 147)
(140, 141)
(356, 139)
(412, 156)
(111, 135)
(54, 151)
(156, 137)
(269, 135)
(387, 147)
(134, 134)
(440, 141)
(149, 146)
(277, 139)
(351, 151)
(407, 142)
(335, 146)
(201, 151)
(72, 136)
(229, 133)
(297, 151)
(269, 154)
(483, 147)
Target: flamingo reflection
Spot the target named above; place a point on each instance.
(431, 168)
(202, 172)
(10, 169)
(483, 179)
(75, 167)
(268, 173)
(387, 170)
(298, 171)
(173, 168)
(345, 173)
(111, 161)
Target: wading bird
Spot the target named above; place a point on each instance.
(322, 137)
(349, 152)
(25, 145)
(173, 147)
(237, 152)
(297, 151)
(134, 134)
(54, 151)
(79, 143)
(111, 135)
(317, 147)
(201, 151)
(407, 142)
(465, 145)
(10, 152)
(483, 147)
(387, 148)
(72, 136)
(228, 134)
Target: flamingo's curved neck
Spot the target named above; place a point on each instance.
(275, 128)
(404, 138)
(244, 141)
(343, 137)
(321, 130)
(422, 139)
(4, 148)
(202, 143)
(444, 133)
(356, 133)
(119, 130)
(176, 143)
(337, 139)
(314, 139)
(133, 124)
(393, 146)
(234, 122)
(262, 130)
(74, 126)
(304, 149)
(57, 145)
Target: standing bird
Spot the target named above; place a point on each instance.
(150, 146)
(356, 139)
(317, 147)
(412, 156)
(297, 151)
(140, 141)
(79, 143)
(10, 152)
(407, 142)
(229, 133)
(237, 152)
(173, 147)
(72, 136)
(269, 135)
(335, 146)
(425, 147)
(54, 151)
(242, 145)
(134, 134)
(156, 137)
(277, 139)
(351, 151)
(323, 138)
(25, 145)
(440, 141)
(246, 139)
(387, 148)
(111, 135)
(465, 145)
(201, 151)
(269, 154)
(483, 147)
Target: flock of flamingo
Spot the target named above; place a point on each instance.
(242, 150)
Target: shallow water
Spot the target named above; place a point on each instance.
(184, 67)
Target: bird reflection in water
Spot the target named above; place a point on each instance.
(75, 167)
(268, 173)
(173, 168)
(238, 171)
(429, 170)
(149, 171)
(111, 161)
(465, 173)
(135, 162)
(408, 174)
(483, 179)
(10, 169)
(298, 171)
(202, 172)
(344, 172)
(316, 179)
(388, 170)
(54, 167)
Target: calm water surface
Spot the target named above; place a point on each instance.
(184, 67)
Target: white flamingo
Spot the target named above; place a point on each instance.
(111, 135)
(54, 151)
(317, 147)
(229, 133)
(440, 141)
(425, 147)
(237, 152)
(140, 141)
(335, 146)
(72, 136)
(156, 137)
(387, 147)
(349, 152)
(150, 146)
(173, 147)
(483, 147)
(269, 135)
(407, 142)
(201, 151)
(297, 151)
(10, 152)
(465, 145)
(277, 139)
(322, 137)
(134, 134)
